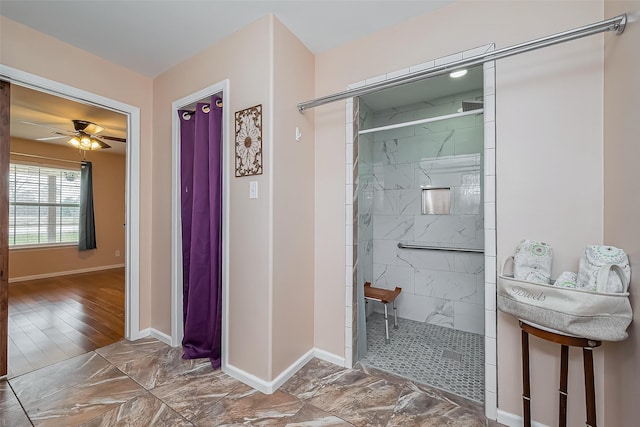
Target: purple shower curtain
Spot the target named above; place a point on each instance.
(201, 178)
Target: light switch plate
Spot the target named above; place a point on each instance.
(253, 189)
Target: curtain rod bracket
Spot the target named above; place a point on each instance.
(622, 24)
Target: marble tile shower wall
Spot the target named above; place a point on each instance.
(442, 288)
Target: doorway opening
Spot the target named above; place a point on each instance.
(206, 95)
(402, 165)
(129, 257)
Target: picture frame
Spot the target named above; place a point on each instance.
(248, 141)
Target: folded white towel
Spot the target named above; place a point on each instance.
(567, 279)
(594, 259)
(532, 262)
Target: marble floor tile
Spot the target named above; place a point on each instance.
(163, 366)
(251, 407)
(8, 399)
(123, 351)
(14, 418)
(308, 380)
(142, 411)
(81, 403)
(310, 416)
(379, 373)
(91, 390)
(11, 413)
(79, 370)
(416, 408)
(471, 405)
(193, 396)
(358, 398)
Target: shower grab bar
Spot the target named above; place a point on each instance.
(439, 248)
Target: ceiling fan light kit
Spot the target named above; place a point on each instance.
(84, 141)
(83, 136)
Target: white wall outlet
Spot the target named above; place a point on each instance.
(117, 252)
(253, 190)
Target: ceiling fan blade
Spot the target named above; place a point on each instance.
(113, 138)
(49, 138)
(86, 126)
(45, 126)
(103, 145)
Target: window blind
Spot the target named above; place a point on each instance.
(44, 204)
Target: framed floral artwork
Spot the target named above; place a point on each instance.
(249, 141)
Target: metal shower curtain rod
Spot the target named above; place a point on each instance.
(616, 24)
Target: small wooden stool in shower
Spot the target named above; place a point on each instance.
(385, 296)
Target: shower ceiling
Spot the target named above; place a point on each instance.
(425, 90)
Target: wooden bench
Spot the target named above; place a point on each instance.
(385, 296)
(565, 342)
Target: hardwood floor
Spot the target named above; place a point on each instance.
(54, 319)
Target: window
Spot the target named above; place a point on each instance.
(44, 205)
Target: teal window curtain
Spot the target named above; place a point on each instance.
(87, 238)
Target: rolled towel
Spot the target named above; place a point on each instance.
(532, 262)
(596, 257)
(567, 279)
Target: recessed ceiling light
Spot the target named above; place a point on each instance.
(458, 73)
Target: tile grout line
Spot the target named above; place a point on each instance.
(20, 403)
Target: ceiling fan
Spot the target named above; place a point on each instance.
(83, 137)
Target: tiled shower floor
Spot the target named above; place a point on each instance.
(434, 355)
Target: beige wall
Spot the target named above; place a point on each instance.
(549, 159)
(271, 238)
(622, 203)
(28, 50)
(243, 58)
(109, 202)
(293, 201)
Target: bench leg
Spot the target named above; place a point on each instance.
(395, 315)
(386, 325)
(526, 389)
(587, 355)
(564, 371)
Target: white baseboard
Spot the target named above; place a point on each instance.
(329, 357)
(160, 336)
(152, 332)
(291, 370)
(144, 333)
(513, 420)
(268, 387)
(247, 378)
(141, 334)
(64, 273)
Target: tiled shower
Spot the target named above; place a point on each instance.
(441, 307)
(395, 166)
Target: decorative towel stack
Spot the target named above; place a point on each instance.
(532, 262)
(601, 269)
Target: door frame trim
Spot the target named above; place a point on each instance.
(132, 191)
